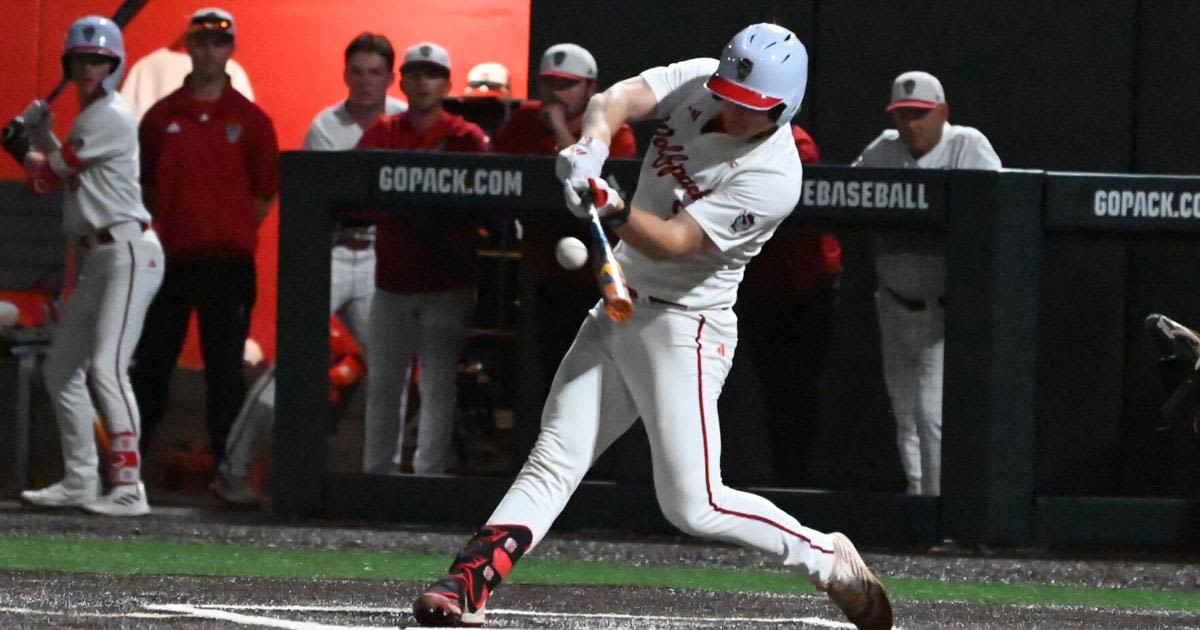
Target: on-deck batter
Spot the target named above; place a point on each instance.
(120, 269)
(722, 172)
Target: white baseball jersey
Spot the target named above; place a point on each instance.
(98, 164)
(737, 191)
(914, 266)
(335, 130)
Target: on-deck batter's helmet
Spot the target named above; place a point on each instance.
(99, 35)
(764, 66)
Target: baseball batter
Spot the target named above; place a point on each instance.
(722, 172)
(912, 273)
(120, 269)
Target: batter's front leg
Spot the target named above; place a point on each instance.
(588, 408)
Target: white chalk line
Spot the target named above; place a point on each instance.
(227, 612)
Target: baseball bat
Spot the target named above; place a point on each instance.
(617, 302)
(124, 15)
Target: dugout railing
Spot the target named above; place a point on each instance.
(994, 223)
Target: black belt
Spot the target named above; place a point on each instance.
(104, 237)
(354, 243)
(914, 305)
(650, 299)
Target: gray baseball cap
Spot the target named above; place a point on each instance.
(918, 90)
(569, 61)
(426, 53)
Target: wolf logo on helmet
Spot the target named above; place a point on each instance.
(764, 66)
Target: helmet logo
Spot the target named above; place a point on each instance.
(89, 32)
(559, 57)
(744, 68)
(426, 51)
(909, 86)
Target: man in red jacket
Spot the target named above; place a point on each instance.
(425, 280)
(210, 172)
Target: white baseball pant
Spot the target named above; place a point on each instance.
(97, 333)
(913, 345)
(667, 366)
(432, 327)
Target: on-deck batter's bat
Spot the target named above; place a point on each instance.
(125, 13)
(617, 303)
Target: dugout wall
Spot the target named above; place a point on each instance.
(1019, 362)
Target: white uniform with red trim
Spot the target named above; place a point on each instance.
(910, 303)
(667, 363)
(120, 270)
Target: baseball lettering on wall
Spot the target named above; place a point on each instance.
(837, 194)
(450, 181)
(893, 195)
(1152, 204)
(1122, 202)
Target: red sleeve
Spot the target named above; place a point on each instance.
(505, 140)
(44, 181)
(809, 153)
(623, 143)
(375, 136)
(513, 137)
(468, 138)
(264, 157)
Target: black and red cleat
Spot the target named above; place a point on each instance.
(457, 600)
(441, 605)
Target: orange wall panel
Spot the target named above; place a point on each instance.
(292, 52)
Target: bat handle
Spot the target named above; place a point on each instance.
(56, 91)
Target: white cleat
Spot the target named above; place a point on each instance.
(855, 589)
(62, 495)
(124, 500)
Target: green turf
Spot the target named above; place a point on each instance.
(121, 557)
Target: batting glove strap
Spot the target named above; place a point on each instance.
(617, 219)
(582, 160)
(613, 210)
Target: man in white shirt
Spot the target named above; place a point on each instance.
(912, 272)
(722, 172)
(369, 72)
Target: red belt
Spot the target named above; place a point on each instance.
(104, 237)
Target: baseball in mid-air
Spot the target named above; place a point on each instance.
(571, 253)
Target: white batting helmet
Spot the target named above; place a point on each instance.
(99, 35)
(763, 66)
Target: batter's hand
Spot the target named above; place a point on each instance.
(581, 193)
(35, 112)
(15, 139)
(582, 160)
